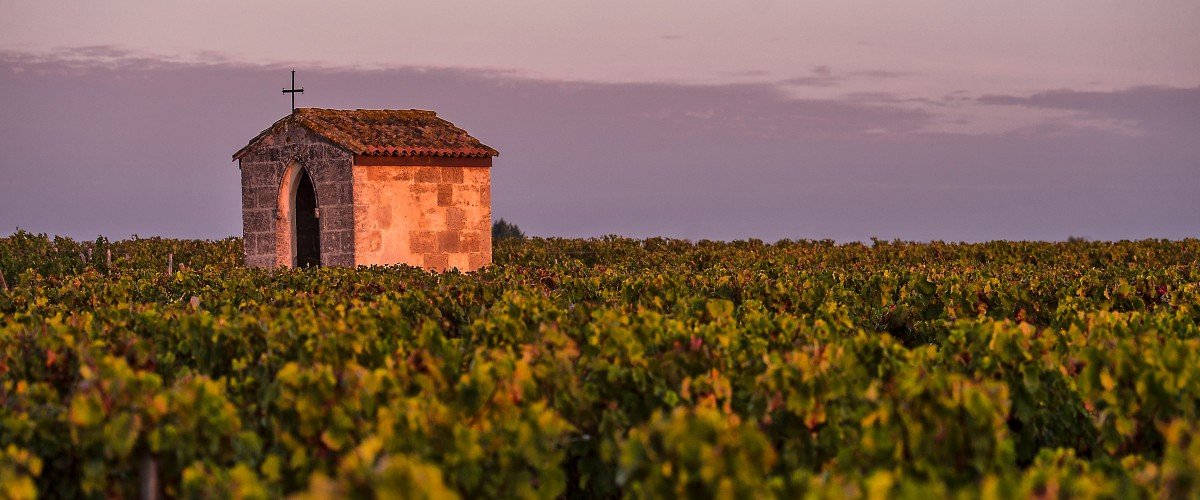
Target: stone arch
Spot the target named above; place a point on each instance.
(298, 224)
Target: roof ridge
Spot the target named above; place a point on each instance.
(339, 110)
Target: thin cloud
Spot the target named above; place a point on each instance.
(1150, 107)
(878, 74)
(892, 98)
(813, 81)
(824, 76)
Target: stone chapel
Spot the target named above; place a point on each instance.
(338, 187)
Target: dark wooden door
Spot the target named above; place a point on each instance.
(308, 228)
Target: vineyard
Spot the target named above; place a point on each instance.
(604, 368)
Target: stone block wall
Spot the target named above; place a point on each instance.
(267, 235)
(429, 212)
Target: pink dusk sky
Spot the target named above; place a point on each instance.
(917, 120)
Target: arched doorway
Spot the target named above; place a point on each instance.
(308, 228)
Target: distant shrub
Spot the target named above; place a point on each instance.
(502, 229)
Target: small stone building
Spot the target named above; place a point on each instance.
(343, 188)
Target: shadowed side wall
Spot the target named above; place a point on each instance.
(267, 230)
(431, 212)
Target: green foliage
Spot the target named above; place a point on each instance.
(18, 467)
(503, 229)
(695, 453)
(604, 368)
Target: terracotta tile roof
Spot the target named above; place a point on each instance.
(383, 132)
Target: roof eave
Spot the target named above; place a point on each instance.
(484, 152)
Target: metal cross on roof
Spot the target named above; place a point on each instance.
(294, 91)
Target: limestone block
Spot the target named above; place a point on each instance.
(261, 260)
(479, 218)
(453, 175)
(330, 242)
(328, 193)
(266, 243)
(364, 218)
(433, 219)
(422, 242)
(266, 198)
(456, 218)
(370, 241)
(249, 199)
(366, 194)
(258, 220)
(348, 243)
(337, 218)
(476, 175)
(423, 188)
(375, 174)
(346, 193)
(343, 259)
(382, 217)
(436, 261)
(402, 174)
(424, 195)
(449, 241)
(262, 178)
(429, 175)
(476, 260)
(445, 195)
(258, 243)
(460, 261)
(249, 244)
(470, 241)
(464, 195)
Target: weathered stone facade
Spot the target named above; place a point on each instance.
(423, 211)
(267, 229)
(419, 205)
